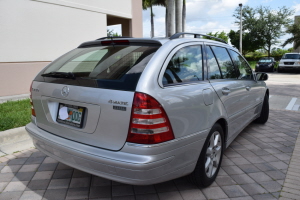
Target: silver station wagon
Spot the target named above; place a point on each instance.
(143, 111)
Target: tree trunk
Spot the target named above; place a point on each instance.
(178, 16)
(152, 21)
(171, 17)
(183, 15)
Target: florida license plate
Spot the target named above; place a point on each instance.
(70, 115)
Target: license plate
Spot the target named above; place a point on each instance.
(70, 115)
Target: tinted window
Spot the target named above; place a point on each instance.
(225, 63)
(241, 64)
(214, 70)
(112, 67)
(291, 56)
(185, 66)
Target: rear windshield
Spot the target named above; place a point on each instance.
(291, 56)
(112, 67)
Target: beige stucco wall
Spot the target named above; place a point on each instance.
(15, 78)
(34, 32)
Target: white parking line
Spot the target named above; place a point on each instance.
(296, 107)
(291, 104)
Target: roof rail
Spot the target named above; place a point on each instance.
(196, 35)
(103, 38)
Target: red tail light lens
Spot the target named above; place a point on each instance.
(32, 108)
(149, 122)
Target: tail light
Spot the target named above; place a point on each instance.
(149, 122)
(32, 108)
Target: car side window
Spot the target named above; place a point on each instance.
(185, 66)
(214, 70)
(243, 67)
(225, 63)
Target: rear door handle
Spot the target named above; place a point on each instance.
(248, 88)
(225, 91)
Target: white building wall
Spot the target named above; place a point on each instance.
(42, 31)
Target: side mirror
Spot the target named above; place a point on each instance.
(262, 76)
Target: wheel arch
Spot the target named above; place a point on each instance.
(224, 126)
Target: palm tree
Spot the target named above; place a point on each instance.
(295, 31)
(149, 4)
(170, 18)
(183, 15)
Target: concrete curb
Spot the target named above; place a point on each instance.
(13, 98)
(13, 140)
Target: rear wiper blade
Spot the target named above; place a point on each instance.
(60, 75)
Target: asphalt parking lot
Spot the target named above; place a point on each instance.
(257, 165)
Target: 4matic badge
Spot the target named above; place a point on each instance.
(118, 102)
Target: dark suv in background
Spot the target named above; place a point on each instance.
(265, 64)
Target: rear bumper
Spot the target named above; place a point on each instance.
(289, 67)
(134, 164)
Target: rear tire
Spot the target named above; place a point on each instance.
(264, 114)
(210, 158)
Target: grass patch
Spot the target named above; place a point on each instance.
(14, 114)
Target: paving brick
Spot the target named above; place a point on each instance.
(38, 184)
(259, 176)
(131, 197)
(80, 174)
(232, 170)
(16, 186)
(168, 186)
(23, 176)
(144, 189)
(264, 197)
(282, 156)
(50, 160)
(122, 190)
(242, 198)
(59, 183)
(6, 177)
(3, 185)
(192, 194)
(10, 195)
(38, 154)
(265, 167)
(242, 179)
(225, 180)
(17, 161)
(29, 168)
(100, 192)
(234, 191)
(271, 186)
(43, 175)
(80, 182)
(276, 174)
(32, 195)
(62, 166)
(255, 159)
(55, 194)
(47, 167)
(214, 193)
(184, 184)
(78, 193)
(11, 168)
(240, 161)
(146, 197)
(289, 195)
(253, 188)
(98, 181)
(67, 173)
(279, 165)
(175, 195)
(251, 168)
(34, 160)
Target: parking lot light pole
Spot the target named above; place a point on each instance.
(241, 31)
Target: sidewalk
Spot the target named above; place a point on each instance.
(14, 98)
(261, 163)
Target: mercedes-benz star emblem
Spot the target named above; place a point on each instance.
(65, 91)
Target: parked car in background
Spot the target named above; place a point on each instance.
(143, 111)
(265, 64)
(289, 61)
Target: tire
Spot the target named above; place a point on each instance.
(211, 156)
(264, 114)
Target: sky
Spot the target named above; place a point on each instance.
(204, 16)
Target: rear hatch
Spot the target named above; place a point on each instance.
(86, 95)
